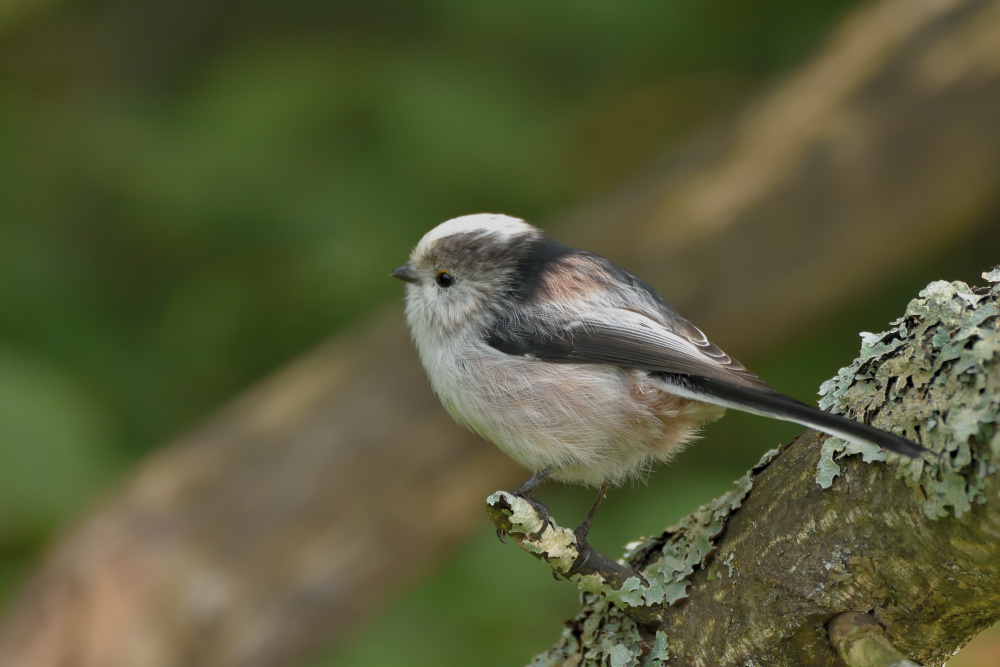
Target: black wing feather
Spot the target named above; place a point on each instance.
(632, 347)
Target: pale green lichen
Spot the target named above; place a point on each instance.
(631, 594)
(523, 516)
(659, 653)
(557, 545)
(601, 636)
(934, 377)
(728, 562)
(683, 548)
(835, 447)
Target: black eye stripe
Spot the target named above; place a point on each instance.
(444, 279)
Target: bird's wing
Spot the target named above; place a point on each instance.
(693, 367)
(621, 337)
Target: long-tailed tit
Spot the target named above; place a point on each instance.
(570, 364)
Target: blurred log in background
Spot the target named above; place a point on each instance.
(194, 199)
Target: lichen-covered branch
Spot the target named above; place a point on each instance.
(642, 593)
(824, 553)
(572, 557)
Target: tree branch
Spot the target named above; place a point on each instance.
(571, 557)
(824, 551)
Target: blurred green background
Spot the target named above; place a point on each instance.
(193, 193)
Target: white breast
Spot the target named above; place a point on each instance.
(585, 418)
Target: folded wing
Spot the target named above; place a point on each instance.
(624, 338)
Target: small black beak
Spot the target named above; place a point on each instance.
(404, 273)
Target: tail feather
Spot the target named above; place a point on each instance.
(778, 406)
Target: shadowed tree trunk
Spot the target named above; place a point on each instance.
(273, 526)
(825, 553)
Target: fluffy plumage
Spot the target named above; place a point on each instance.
(560, 357)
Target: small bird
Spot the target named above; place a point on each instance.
(571, 365)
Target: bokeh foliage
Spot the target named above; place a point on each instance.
(194, 193)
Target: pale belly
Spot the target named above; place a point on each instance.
(595, 422)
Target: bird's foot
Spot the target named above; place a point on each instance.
(543, 514)
(541, 510)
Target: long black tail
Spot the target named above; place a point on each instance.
(779, 406)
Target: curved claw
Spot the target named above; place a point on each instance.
(543, 513)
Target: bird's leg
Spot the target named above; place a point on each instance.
(584, 528)
(585, 551)
(525, 493)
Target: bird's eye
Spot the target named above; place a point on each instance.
(444, 279)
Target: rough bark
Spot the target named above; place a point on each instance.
(272, 527)
(861, 642)
(825, 553)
